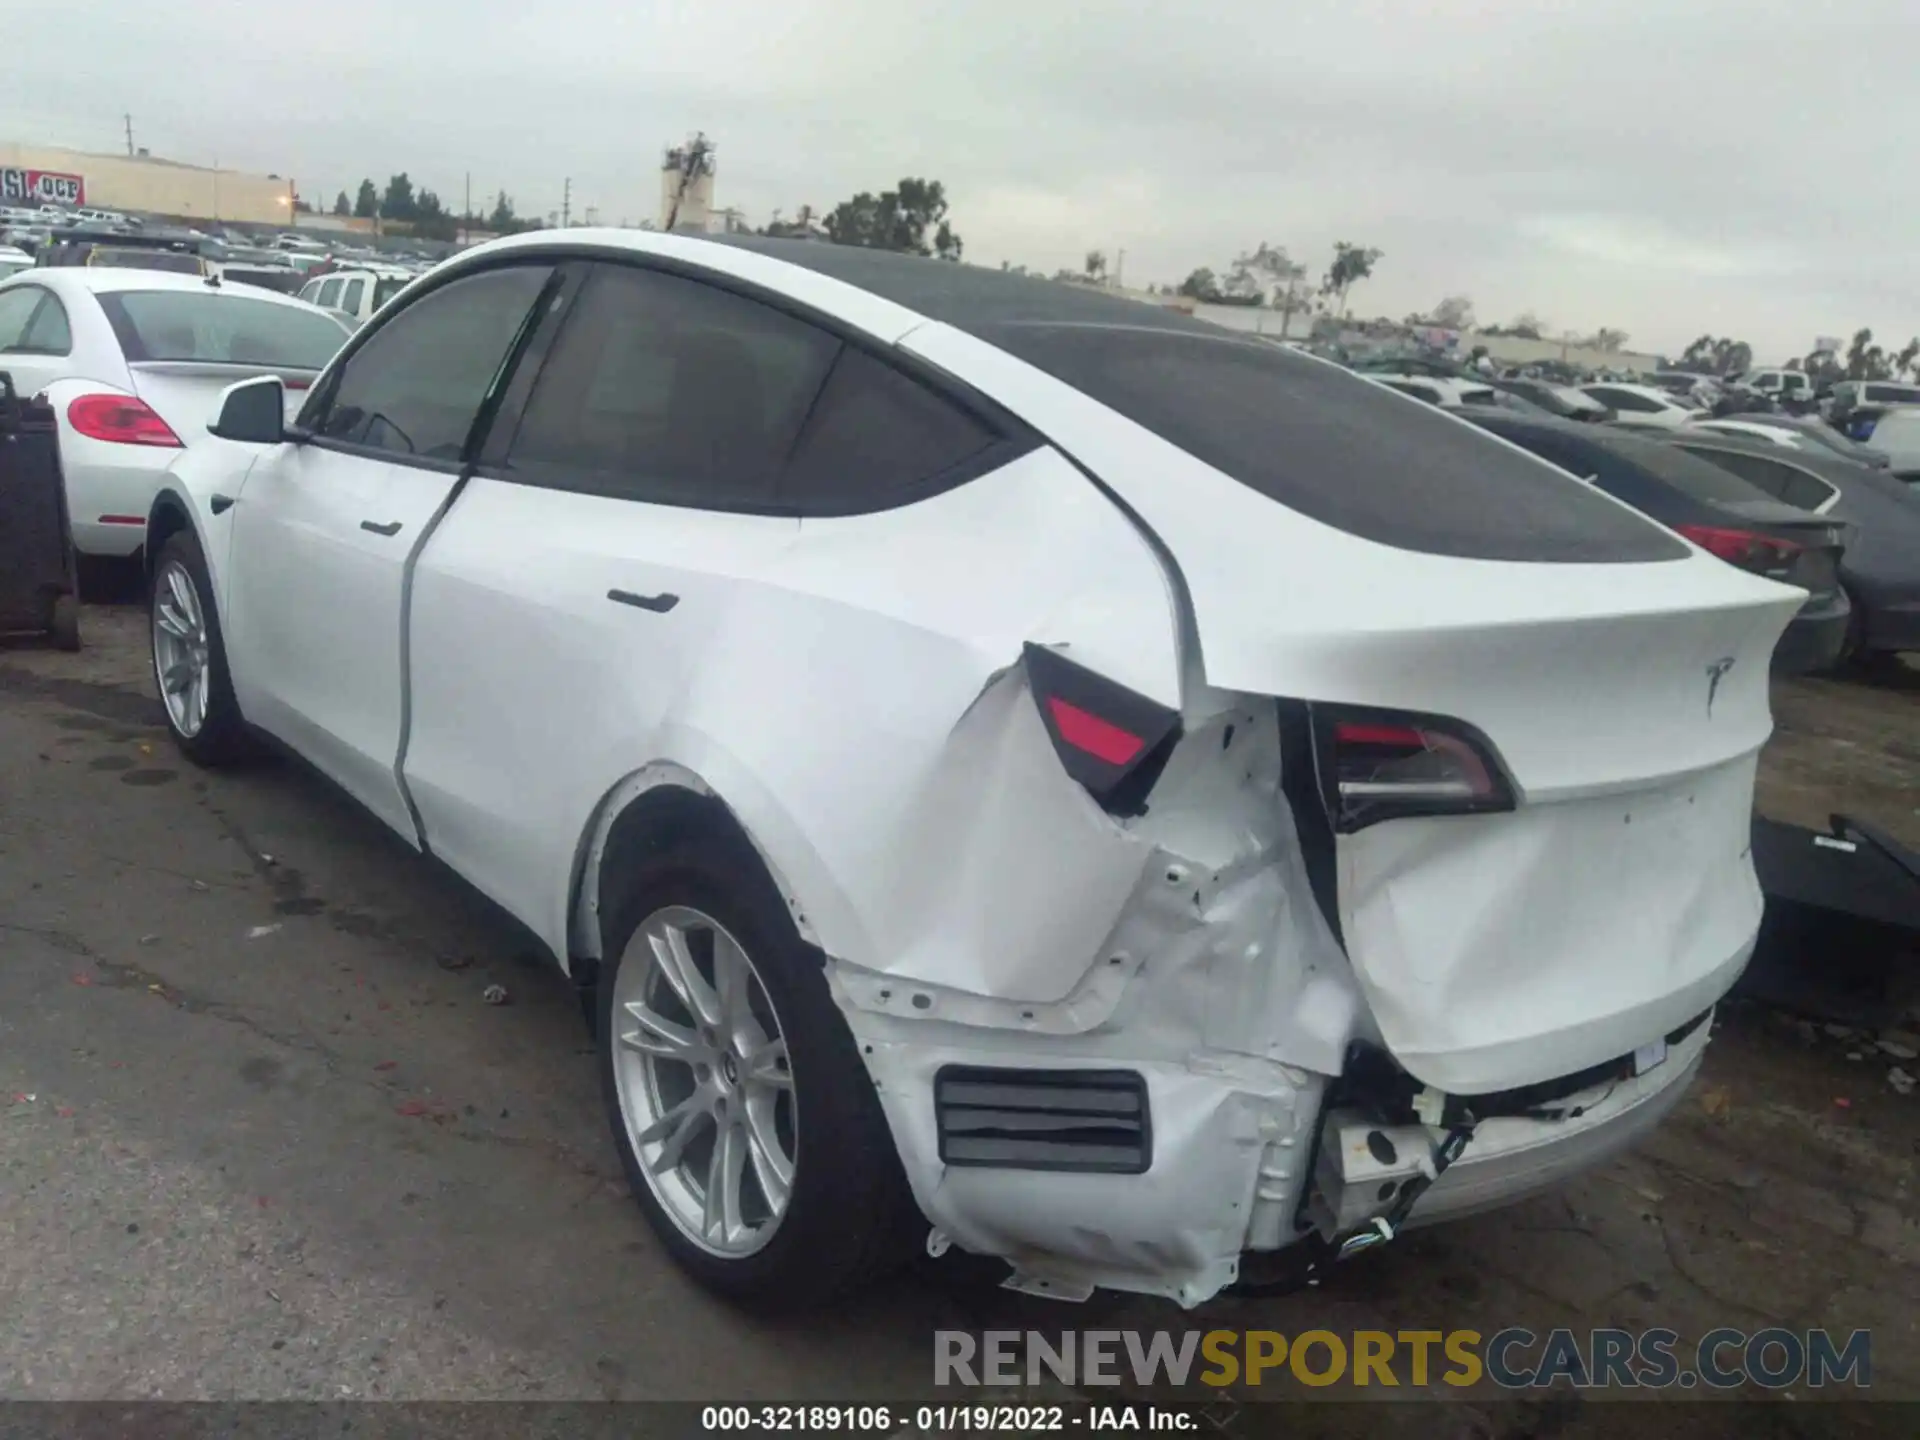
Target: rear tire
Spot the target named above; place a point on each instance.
(847, 1215)
(220, 736)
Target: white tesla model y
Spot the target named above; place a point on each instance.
(1005, 765)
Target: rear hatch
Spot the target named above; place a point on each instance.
(1393, 565)
(184, 346)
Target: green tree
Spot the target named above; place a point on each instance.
(1722, 356)
(1609, 339)
(368, 203)
(341, 205)
(1351, 264)
(898, 219)
(1094, 267)
(503, 221)
(1201, 285)
(1866, 360)
(398, 202)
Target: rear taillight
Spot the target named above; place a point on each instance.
(297, 384)
(119, 420)
(1110, 739)
(1383, 765)
(1761, 553)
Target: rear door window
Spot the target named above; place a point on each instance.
(350, 297)
(330, 294)
(664, 389)
(16, 309)
(48, 332)
(1332, 446)
(876, 437)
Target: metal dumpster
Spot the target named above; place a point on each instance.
(38, 592)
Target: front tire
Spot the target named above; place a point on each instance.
(746, 1123)
(190, 658)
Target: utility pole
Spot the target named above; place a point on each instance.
(566, 203)
(466, 208)
(129, 119)
(1120, 269)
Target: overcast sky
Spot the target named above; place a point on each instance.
(1733, 166)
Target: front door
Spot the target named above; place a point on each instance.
(326, 527)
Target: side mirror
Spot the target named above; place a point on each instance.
(253, 411)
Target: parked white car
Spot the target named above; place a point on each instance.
(1644, 405)
(134, 362)
(1003, 765)
(1443, 391)
(1896, 434)
(354, 292)
(13, 260)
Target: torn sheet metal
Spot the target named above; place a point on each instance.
(1206, 966)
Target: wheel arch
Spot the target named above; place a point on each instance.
(166, 517)
(648, 810)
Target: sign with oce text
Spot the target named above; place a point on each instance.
(41, 187)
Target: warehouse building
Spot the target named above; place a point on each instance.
(142, 183)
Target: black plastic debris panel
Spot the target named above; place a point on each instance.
(1841, 934)
(37, 590)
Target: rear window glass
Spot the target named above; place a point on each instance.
(385, 290)
(1338, 448)
(219, 328)
(172, 261)
(1624, 464)
(1893, 394)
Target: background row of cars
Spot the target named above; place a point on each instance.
(150, 325)
(1790, 496)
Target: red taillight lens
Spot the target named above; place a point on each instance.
(297, 384)
(119, 420)
(1110, 739)
(1742, 547)
(1381, 766)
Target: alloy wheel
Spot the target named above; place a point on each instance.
(705, 1087)
(180, 648)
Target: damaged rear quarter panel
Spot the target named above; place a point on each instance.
(859, 711)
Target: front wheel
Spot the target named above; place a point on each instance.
(189, 657)
(746, 1122)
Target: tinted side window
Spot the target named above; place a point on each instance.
(1626, 400)
(1763, 475)
(665, 389)
(1809, 492)
(874, 433)
(415, 387)
(350, 298)
(48, 332)
(330, 293)
(16, 308)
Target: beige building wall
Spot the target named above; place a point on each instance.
(162, 187)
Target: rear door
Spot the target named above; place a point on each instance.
(324, 529)
(614, 533)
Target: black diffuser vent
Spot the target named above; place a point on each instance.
(1092, 1120)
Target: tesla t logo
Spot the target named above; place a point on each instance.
(1716, 672)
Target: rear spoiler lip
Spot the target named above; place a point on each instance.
(215, 369)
